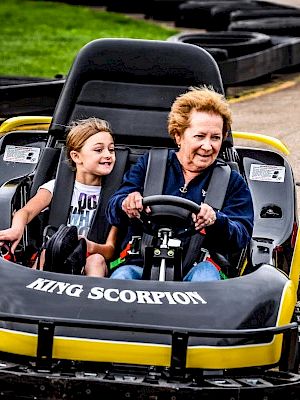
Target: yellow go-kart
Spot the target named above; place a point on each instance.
(69, 336)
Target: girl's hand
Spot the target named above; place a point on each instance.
(89, 244)
(107, 250)
(133, 204)
(206, 217)
(11, 235)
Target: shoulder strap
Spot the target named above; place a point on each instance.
(156, 170)
(99, 226)
(215, 198)
(154, 181)
(217, 187)
(45, 168)
(62, 195)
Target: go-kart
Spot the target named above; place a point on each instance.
(74, 337)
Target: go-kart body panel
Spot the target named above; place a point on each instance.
(182, 306)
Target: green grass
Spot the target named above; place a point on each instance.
(41, 38)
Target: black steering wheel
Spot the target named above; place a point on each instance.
(169, 211)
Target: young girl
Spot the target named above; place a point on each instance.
(90, 150)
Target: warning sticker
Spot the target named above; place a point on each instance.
(267, 173)
(21, 154)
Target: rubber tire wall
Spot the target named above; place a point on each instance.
(221, 15)
(270, 26)
(163, 10)
(197, 14)
(242, 15)
(235, 43)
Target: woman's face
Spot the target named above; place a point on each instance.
(201, 141)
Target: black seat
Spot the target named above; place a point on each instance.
(20, 153)
(270, 180)
(132, 84)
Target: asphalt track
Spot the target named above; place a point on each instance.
(274, 109)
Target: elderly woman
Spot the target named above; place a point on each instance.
(198, 122)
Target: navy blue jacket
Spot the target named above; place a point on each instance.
(231, 231)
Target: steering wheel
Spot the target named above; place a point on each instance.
(169, 211)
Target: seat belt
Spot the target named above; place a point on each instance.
(215, 196)
(59, 211)
(99, 226)
(154, 182)
(156, 172)
(62, 194)
(218, 184)
(45, 168)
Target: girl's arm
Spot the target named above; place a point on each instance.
(107, 249)
(23, 216)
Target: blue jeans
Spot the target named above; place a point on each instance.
(202, 272)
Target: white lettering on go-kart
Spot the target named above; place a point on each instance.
(117, 295)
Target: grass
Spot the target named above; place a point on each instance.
(41, 38)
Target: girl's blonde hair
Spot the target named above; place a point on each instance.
(204, 99)
(81, 130)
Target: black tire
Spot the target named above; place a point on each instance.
(197, 14)
(162, 10)
(236, 45)
(217, 53)
(242, 15)
(221, 15)
(270, 26)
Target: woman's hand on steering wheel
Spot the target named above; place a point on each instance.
(132, 205)
(206, 217)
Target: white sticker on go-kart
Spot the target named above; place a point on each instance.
(267, 173)
(21, 154)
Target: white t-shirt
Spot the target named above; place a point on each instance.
(83, 204)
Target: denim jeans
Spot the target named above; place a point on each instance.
(202, 272)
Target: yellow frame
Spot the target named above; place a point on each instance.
(269, 140)
(25, 123)
(23, 343)
(43, 123)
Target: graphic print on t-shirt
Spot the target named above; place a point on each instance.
(84, 203)
(81, 214)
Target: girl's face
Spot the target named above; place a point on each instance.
(96, 157)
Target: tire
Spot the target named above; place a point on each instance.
(242, 15)
(217, 53)
(221, 15)
(197, 14)
(235, 44)
(270, 26)
(162, 10)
